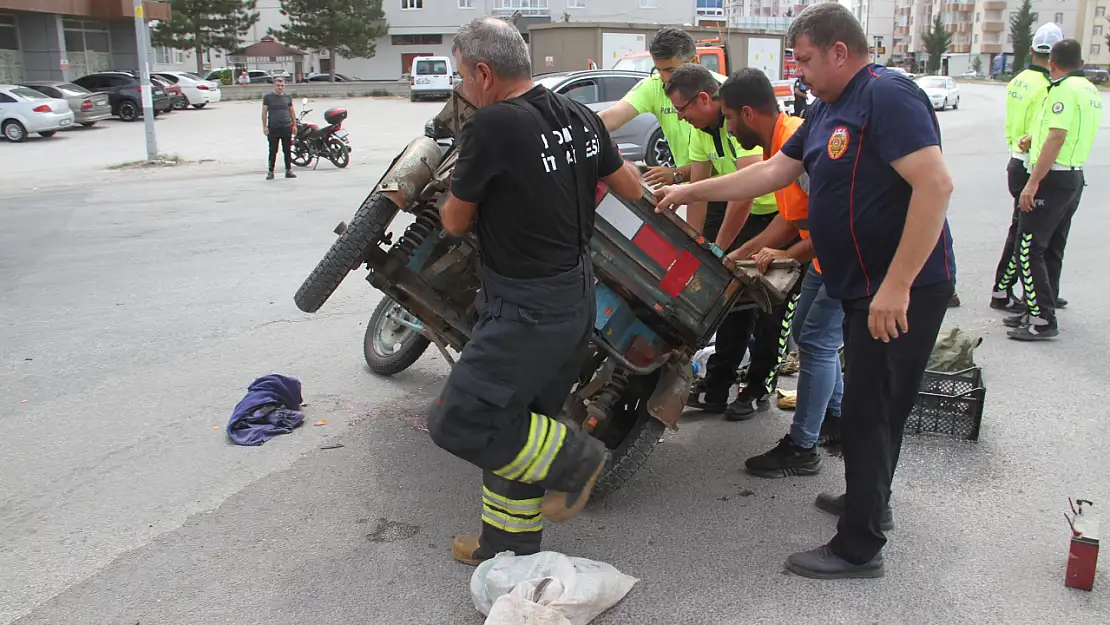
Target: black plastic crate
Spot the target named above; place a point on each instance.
(950, 404)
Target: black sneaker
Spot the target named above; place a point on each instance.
(709, 400)
(1016, 321)
(746, 406)
(1008, 304)
(784, 460)
(830, 431)
(1037, 330)
(1061, 302)
(269, 175)
(289, 173)
(834, 505)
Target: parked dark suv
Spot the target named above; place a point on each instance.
(124, 93)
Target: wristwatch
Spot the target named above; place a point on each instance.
(677, 177)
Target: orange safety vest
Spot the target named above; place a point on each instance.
(793, 201)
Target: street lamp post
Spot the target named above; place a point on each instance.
(142, 48)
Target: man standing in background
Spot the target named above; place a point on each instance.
(1025, 94)
(278, 124)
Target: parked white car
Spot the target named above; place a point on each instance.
(198, 91)
(24, 110)
(431, 76)
(942, 91)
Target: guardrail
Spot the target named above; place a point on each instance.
(367, 88)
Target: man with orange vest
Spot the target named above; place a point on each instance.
(753, 116)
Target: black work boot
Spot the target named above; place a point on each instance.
(834, 505)
(568, 494)
(822, 563)
(784, 460)
(270, 175)
(1038, 329)
(289, 173)
(1061, 302)
(713, 400)
(747, 404)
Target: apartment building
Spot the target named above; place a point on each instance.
(1093, 31)
(65, 39)
(426, 27)
(980, 29)
(773, 15)
(877, 19)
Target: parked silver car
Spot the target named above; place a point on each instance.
(640, 139)
(88, 107)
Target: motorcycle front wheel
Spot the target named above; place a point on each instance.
(391, 344)
(347, 252)
(338, 154)
(301, 155)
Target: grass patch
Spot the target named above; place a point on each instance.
(163, 160)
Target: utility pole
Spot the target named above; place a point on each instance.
(143, 53)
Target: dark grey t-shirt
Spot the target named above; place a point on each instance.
(279, 109)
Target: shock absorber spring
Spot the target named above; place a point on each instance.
(427, 220)
(601, 405)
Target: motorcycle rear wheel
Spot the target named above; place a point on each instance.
(339, 156)
(388, 346)
(642, 433)
(347, 252)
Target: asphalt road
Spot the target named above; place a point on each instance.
(136, 306)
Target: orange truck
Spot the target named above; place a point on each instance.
(714, 55)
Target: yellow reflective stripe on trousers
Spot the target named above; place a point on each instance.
(532, 464)
(516, 506)
(511, 523)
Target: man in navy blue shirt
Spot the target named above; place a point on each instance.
(879, 194)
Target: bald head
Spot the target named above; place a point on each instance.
(495, 43)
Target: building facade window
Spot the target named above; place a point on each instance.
(466, 4)
(576, 4)
(714, 8)
(1100, 11)
(409, 5)
(416, 40)
(1098, 29)
(168, 56)
(1058, 19)
(1096, 49)
(88, 47)
(976, 39)
(649, 4)
(527, 8)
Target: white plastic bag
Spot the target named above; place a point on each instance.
(579, 589)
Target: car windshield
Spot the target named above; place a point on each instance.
(636, 64)
(936, 82)
(69, 88)
(28, 94)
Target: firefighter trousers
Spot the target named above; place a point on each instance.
(499, 406)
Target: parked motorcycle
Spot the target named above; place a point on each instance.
(312, 142)
(662, 292)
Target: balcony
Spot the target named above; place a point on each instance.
(993, 27)
(961, 6)
(990, 48)
(994, 6)
(958, 48)
(901, 30)
(527, 8)
(102, 9)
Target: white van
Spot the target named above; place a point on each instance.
(431, 76)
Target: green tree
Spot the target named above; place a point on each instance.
(345, 28)
(936, 43)
(203, 25)
(1021, 31)
(977, 65)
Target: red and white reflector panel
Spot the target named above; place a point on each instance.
(679, 266)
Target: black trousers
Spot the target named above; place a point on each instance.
(772, 331)
(881, 382)
(498, 407)
(1042, 236)
(284, 136)
(1006, 275)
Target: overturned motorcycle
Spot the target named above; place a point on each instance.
(662, 291)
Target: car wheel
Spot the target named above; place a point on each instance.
(180, 105)
(658, 152)
(944, 105)
(200, 106)
(957, 104)
(88, 124)
(128, 112)
(14, 131)
(48, 133)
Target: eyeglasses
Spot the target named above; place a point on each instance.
(682, 109)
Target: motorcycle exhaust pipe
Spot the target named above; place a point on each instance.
(411, 173)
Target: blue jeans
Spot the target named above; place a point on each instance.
(819, 332)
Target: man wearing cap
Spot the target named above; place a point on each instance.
(1059, 144)
(1024, 95)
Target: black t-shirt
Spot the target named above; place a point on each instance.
(278, 105)
(519, 174)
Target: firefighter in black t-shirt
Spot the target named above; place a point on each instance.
(529, 163)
